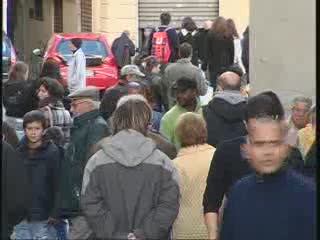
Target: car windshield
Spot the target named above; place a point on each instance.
(91, 48)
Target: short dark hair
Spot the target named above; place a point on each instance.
(51, 69)
(185, 83)
(34, 116)
(185, 50)
(264, 105)
(165, 18)
(77, 42)
(109, 102)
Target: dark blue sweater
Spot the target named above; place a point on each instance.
(281, 206)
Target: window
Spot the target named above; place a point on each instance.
(38, 9)
(91, 48)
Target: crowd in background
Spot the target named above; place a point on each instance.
(149, 159)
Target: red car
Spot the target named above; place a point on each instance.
(101, 67)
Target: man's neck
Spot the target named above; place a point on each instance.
(191, 108)
(32, 145)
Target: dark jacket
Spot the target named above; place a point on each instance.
(110, 98)
(310, 167)
(245, 49)
(163, 145)
(87, 130)
(14, 190)
(224, 116)
(123, 49)
(173, 42)
(200, 43)
(284, 201)
(130, 187)
(220, 54)
(157, 96)
(189, 37)
(43, 170)
(230, 164)
(15, 98)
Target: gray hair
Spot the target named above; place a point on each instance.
(132, 97)
(303, 99)
(132, 112)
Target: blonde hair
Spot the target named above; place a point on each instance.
(191, 129)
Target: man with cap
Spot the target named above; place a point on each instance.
(88, 129)
(128, 73)
(76, 66)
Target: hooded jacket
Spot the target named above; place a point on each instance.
(123, 48)
(224, 116)
(43, 167)
(130, 187)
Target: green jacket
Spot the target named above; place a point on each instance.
(87, 130)
(169, 120)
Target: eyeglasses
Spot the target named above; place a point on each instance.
(75, 104)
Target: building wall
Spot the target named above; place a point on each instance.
(39, 32)
(4, 15)
(71, 18)
(238, 10)
(113, 17)
(283, 47)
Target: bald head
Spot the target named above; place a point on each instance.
(229, 81)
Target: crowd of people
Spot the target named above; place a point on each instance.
(148, 159)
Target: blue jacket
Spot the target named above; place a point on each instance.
(43, 167)
(280, 206)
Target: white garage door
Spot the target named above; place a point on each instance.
(199, 10)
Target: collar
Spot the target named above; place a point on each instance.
(86, 117)
(196, 148)
(273, 177)
(184, 60)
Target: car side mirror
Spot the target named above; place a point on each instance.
(37, 52)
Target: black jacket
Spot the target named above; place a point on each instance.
(245, 49)
(200, 46)
(14, 191)
(16, 98)
(220, 53)
(43, 169)
(229, 164)
(190, 38)
(224, 116)
(123, 48)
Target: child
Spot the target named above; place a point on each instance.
(42, 160)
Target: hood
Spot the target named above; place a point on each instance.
(128, 148)
(228, 105)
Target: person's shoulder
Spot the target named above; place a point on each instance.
(300, 182)
(243, 185)
(168, 115)
(234, 142)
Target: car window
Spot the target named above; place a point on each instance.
(6, 50)
(89, 47)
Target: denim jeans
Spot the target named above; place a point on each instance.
(35, 231)
(61, 229)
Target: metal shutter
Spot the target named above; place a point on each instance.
(58, 16)
(86, 15)
(199, 10)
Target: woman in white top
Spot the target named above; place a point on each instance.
(237, 44)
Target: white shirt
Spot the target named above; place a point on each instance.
(77, 71)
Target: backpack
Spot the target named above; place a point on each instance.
(160, 46)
